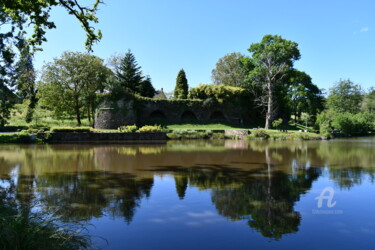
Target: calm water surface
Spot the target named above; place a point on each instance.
(204, 195)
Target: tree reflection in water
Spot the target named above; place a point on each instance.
(265, 199)
(258, 182)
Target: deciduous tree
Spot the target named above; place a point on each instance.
(229, 70)
(272, 58)
(345, 96)
(69, 83)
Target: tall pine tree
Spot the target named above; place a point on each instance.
(181, 90)
(128, 73)
(25, 75)
(130, 78)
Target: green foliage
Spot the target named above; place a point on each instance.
(345, 96)
(229, 70)
(70, 129)
(148, 129)
(219, 93)
(6, 103)
(128, 129)
(15, 138)
(18, 17)
(272, 59)
(188, 134)
(25, 81)
(181, 90)
(145, 88)
(346, 123)
(23, 229)
(277, 123)
(368, 103)
(304, 96)
(260, 133)
(325, 129)
(69, 84)
(37, 14)
(129, 77)
(194, 134)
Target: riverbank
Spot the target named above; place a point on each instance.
(72, 135)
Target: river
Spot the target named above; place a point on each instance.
(204, 194)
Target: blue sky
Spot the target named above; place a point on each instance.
(336, 38)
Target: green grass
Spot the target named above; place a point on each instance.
(42, 117)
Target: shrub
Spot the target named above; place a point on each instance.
(260, 133)
(193, 134)
(325, 129)
(128, 129)
(70, 129)
(148, 129)
(307, 136)
(277, 122)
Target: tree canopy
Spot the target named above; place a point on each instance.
(22, 14)
(229, 70)
(345, 96)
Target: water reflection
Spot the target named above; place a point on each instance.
(256, 182)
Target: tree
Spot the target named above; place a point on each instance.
(182, 89)
(128, 72)
(229, 70)
(272, 58)
(25, 81)
(368, 103)
(21, 14)
(69, 83)
(304, 95)
(16, 16)
(145, 88)
(129, 75)
(345, 96)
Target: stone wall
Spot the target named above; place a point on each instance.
(113, 137)
(111, 115)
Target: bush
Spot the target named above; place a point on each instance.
(148, 129)
(260, 133)
(346, 123)
(193, 134)
(70, 129)
(128, 129)
(325, 129)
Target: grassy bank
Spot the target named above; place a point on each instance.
(262, 134)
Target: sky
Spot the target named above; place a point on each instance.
(336, 38)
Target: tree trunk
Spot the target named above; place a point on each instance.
(78, 113)
(269, 107)
(89, 113)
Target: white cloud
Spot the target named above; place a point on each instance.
(204, 214)
(364, 29)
